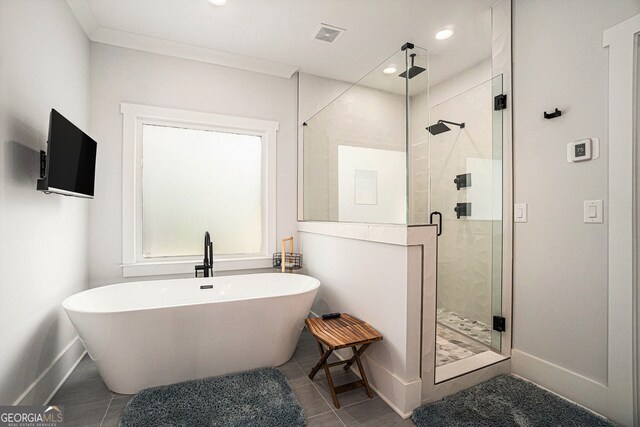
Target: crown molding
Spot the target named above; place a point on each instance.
(99, 34)
(84, 16)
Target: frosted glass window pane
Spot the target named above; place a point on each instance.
(197, 180)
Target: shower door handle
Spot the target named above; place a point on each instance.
(439, 221)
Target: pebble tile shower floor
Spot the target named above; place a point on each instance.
(87, 401)
(472, 328)
(452, 346)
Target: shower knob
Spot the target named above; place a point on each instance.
(462, 209)
(462, 181)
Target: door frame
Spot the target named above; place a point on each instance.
(623, 371)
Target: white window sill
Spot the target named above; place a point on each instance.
(158, 268)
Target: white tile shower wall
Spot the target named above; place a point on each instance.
(124, 75)
(420, 117)
(371, 185)
(360, 117)
(419, 158)
(43, 238)
(458, 83)
(465, 249)
(560, 263)
(465, 246)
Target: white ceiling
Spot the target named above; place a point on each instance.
(275, 36)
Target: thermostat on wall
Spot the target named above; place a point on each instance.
(584, 149)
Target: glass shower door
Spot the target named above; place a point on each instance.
(465, 164)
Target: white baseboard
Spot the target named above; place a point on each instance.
(388, 386)
(567, 384)
(403, 397)
(51, 379)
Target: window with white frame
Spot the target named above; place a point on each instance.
(186, 173)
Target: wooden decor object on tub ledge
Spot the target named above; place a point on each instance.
(287, 261)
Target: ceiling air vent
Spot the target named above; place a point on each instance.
(328, 33)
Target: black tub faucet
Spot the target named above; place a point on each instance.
(207, 265)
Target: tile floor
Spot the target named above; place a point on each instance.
(88, 403)
(452, 346)
(472, 328)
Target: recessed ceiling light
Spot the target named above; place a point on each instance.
(218, 2)
(444, 34)
(390, 70)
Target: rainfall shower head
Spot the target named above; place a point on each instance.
(441, 127)
(414, 70)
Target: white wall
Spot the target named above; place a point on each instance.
(637, 284)
(382, 274)
(460, 82)
(43, 238)
(316, 93)
(123, 75)
(560, 263)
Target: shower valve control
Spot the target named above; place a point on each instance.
(462, 181)
(462, 209)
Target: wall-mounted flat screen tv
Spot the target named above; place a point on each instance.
(68, 166)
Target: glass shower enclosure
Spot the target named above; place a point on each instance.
(356, 147)
(465, 196)
(380, 152)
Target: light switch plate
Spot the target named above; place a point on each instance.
(520, 212)
(593, 212)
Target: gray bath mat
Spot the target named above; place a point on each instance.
(261, 397)
(505, 401)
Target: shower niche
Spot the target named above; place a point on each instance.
(415, 162)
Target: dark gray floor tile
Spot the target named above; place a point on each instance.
(88, 402)
(328, 419)
(373, 412)
(86, 370)
(79, 390)
(306, 336)
(308, 362)
(83, 386)
(85, 415)
(306, 351)
(120, 400)
(294, 374)
(122, 396)
(311, 400)
(114, 413)
(86, 364)
(341, 377)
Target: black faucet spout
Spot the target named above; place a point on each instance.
(207, 262)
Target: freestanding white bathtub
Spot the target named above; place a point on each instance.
(144, 334)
